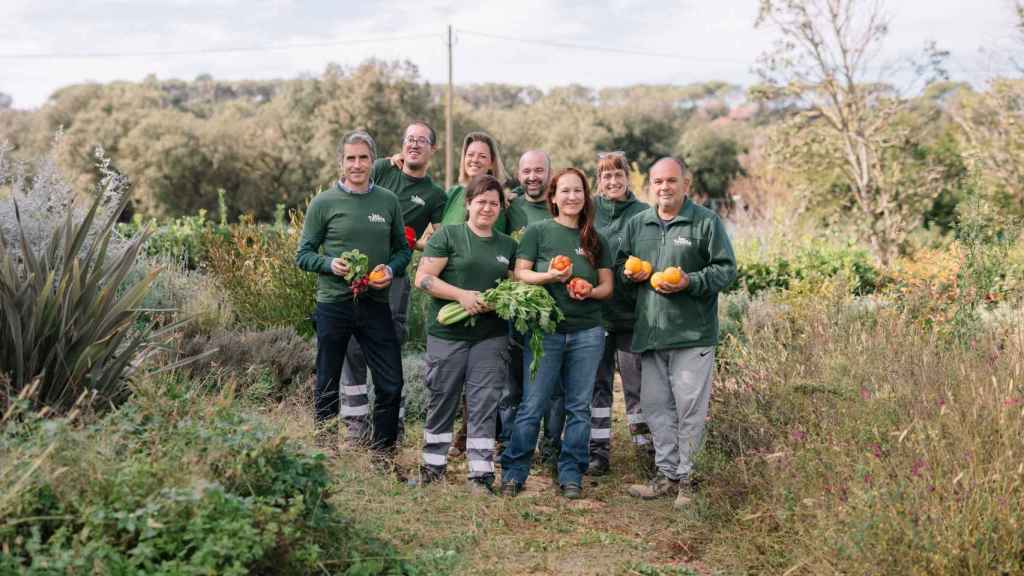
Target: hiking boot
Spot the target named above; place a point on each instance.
(684, 496)
(482, 486)
(657, 488)
(598, 467)
(572, 491)
(383, 463)
(426, 476)
(326, 437)
(510, 488)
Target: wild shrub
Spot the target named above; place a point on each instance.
(181, 292)
(65, 318)
(763, 267)
(176, 481)
(287, 358)
(256, 267)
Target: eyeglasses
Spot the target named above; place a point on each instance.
(614, 154)
(420, 140)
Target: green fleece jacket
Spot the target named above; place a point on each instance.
(610, 221)
(696, 241)
(338, 221)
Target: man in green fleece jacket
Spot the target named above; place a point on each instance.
(355, 214)
(676, 325)
(422, 203)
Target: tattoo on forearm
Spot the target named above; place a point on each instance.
(427, 282)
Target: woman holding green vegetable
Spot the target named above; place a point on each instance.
(568, 257)
(459, 263)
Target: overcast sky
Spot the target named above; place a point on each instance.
(710, 39)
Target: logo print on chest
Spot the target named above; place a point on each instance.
(682, 241)
(417, 200)
(581, 252)
(502, 259)
(376, 218)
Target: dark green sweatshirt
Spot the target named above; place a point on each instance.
(610, 221)
(338, 221)
(421, 200)
(696, 241)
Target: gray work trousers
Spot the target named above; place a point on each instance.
(618, 349)
(482, 369)
(355, 403)
(675, 392)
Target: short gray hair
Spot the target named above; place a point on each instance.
(683, 168)
(358, 137)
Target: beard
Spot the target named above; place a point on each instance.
(533, 195)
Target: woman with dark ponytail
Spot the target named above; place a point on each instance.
(568, 257)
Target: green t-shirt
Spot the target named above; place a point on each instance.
(455, 209)
(338, 221)
(474, 263)
(540, 244)
(522, 213)
(422, 201)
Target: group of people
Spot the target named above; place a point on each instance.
(584, 246)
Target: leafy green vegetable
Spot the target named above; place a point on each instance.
(530, 308)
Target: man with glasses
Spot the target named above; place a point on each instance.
(422, 203)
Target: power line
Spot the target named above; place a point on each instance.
(201, 51)
(593, 48)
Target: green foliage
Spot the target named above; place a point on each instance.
(183, 238)
(175, 482)
(63, 316)
(256, 267)
(714, 160)
(759, 269)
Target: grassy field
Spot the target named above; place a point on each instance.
(448, 531)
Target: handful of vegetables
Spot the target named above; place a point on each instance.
(635, 265)
(530, 309)
(672, 275)
(358, 265)
(410, 237)
(579, 288)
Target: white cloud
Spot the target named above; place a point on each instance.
(714, 40)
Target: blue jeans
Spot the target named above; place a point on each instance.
(572, 358)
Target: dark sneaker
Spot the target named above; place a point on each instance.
(658, 488)
(480, 486)
(510, 488)
(572, 491)
(598, 467)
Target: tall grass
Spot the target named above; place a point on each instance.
(850, 438)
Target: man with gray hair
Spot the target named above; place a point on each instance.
(354, 214)
(676, 325)
(422, 203)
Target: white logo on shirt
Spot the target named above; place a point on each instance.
(681, 241)
(417, 200)
(502, 259)
(374, 217)
(581, 252)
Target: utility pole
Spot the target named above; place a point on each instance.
(448, 120)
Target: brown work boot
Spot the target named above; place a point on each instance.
(660, 487)
(684, 496)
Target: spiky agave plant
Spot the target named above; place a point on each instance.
(63, 319)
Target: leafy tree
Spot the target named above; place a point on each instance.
(856, 139)
(714, 159)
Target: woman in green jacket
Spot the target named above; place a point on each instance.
(615, 205)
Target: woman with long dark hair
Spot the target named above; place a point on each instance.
(568, 257)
